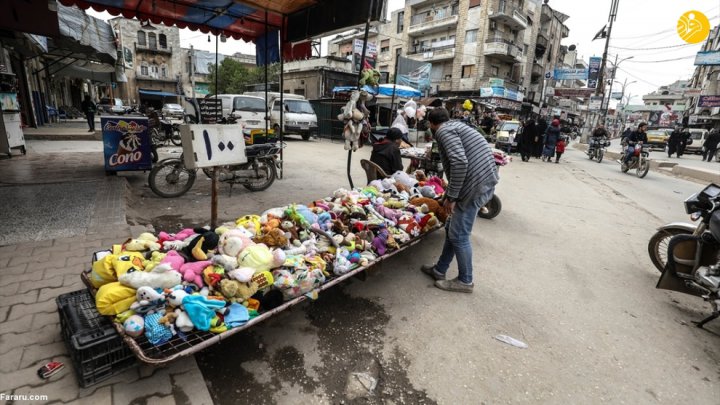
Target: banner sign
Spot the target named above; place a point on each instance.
(570, 74)
(594, 71)
(708, 58)
(690, 92)
(616, 95)
(709, 101)
(567, 92)
(126, 143)
(212, 145)
(501, 92)
(370, 54)
(596, 102)
(418, 78)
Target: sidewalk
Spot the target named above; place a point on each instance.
(66, 130)
(58, 208)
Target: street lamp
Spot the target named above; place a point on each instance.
(615, 67)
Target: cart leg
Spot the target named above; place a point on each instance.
(706, 320)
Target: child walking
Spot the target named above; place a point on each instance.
(559, 149)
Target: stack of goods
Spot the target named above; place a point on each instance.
(162, 285)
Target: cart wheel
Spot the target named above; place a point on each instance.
(494, 206)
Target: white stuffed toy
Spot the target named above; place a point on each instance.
(354, 115)
(161, 276)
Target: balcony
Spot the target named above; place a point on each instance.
(537, 71)
(546, 15)
(422, 24)
(440, 50)
(541, 41)
(564, 31)
(155, 50)
(154, 78)
(441, 85)
(503, 50)
(514, 19)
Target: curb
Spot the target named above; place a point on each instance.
(663, 166)
(96, 136)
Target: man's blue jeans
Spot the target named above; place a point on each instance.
(457, 237)
(629, 153)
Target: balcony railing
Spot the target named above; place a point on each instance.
(510, 16)
(436, 16)
(158, 49)
(435, 52)
(432, 23)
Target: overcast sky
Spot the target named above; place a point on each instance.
(640, 25)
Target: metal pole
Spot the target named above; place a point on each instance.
(192, 71)
(217, 74)
(612, 80)
(282, 107)
(613, 13)
(392, 99)
(214, 198)
(282, 84)
(362, 59)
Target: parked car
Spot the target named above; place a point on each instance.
(111, 106)
(505, 136)
(173, 110)
(658, 138)
(698, 136)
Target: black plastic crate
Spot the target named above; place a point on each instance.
(96, 349)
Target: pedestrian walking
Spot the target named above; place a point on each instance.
(710, 146)
(552, 134)
(559, 149)
(674, 141)
(539, 136)
(89, 108)
(472, 176)
(685, 140)
(526, 140)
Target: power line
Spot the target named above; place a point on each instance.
(638, 78)
(712, 10)
(651, 49)
(661, 61)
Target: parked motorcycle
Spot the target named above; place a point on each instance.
(693, 260)
(640, 161)
(596, 149)
(171, 178)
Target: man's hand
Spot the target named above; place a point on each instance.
(449, 206)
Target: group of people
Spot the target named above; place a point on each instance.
(677, 142)
(540, 140)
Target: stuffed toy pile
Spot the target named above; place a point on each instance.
(163, 285)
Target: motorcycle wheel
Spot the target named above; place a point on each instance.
(591, 155)
(658, 245)
(643, 167)
(170, 178)
(494, 207)
(176, 139)
(154, 153)
(267, 172)
(600, 154)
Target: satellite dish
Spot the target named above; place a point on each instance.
(571, 48)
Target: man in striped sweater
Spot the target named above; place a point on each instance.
(472, 176)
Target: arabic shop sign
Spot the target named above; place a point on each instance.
(709, 101)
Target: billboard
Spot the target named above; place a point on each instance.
(708, 58)
(709, 101)
(596, 102)
(593, 71)
(570, 74)
(370, 54)
(616, 95)
(567, 92)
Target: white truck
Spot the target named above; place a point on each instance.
(298, 116)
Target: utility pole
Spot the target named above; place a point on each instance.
(601, 76)
(192, 71)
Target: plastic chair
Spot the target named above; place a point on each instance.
(372, 170)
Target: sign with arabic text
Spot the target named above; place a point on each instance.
(709, 101)
(707, 58)
(594, 71)
(596, 102)
(570, 74)
(567, 92)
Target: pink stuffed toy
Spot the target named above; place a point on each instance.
(192, 272)
(388, 213)
(174, 259)
(182, 235)
(437, 183)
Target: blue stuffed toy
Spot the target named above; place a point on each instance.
(199, 308)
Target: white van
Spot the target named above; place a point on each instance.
(299, 115)
(249, 110)
(698, 136)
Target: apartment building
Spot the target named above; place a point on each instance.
(152, 61)
(704, 82)
(496, 51)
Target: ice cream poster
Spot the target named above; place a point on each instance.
(126, 143)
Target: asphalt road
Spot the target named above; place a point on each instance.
(563, 268)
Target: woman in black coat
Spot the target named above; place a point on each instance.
(538, 141)
(526, 140)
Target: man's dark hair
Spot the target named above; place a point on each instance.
(438, 116)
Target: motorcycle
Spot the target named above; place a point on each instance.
(171, 178)
(640, 161)
(693, 260)
(596, 149)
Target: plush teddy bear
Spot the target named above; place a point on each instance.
(250, 222)
(226, 262)
(111, 266)
(275, 237)
(146, 241)
(433, 207)
(199, 308)
(192, 272)
(147, 301)
(162, 276)
(233, 241)
(236, 291)
(241, 274)
(258, 257)
(182, 321)
(180, 236)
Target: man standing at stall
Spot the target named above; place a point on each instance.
(472, 176)
(89, 108)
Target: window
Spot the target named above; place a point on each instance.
(300, 92)
(385, 45)
(144, 70)
(456, 8)
(163, 41)
(398, 52)
(474, 3)
(152, 41)
(400, 22)
(471, 36)
(141, 38)
(385, 49)
(494, 71)
(467, 71)
(163, 71)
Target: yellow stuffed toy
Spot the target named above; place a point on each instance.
(110, 267)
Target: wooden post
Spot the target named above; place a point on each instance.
(214, 199)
